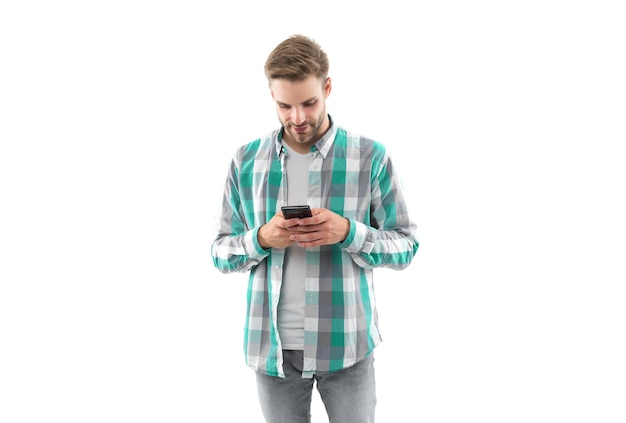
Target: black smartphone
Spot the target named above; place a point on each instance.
(289, 212)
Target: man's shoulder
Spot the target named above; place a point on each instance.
(359, 140)
(263, 143)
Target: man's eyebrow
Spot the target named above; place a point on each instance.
(304, 102)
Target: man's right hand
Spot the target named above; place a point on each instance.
(274, 234)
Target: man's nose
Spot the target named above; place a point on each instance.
(298, 116)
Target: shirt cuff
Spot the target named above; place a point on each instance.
(253, 247)
(360, 239)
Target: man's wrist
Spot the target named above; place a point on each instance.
(262, 241)
(347, 230)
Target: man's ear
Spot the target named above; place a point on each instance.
(328, 85)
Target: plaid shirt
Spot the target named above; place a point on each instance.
(354, 177)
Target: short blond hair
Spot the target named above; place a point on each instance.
(297, 58)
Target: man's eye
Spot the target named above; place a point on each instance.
(309, 104)
(284, 106)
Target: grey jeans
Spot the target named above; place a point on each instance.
(349, 395)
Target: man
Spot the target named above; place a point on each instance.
(311, 310)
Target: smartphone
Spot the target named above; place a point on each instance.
(296, 211)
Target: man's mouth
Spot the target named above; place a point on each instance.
(300, 129)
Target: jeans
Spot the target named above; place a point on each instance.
(348, 395)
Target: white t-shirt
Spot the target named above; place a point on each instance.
(291, 303)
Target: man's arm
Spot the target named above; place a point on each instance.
(391, 240)
(236, 247)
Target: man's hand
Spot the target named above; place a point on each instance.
(276, 232)
(324, 228)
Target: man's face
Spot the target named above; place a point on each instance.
(301, 107)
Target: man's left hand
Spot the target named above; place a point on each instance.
(323, 228)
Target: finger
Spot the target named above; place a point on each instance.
(306, 236)
(309, 244)
(301, 228)
(290, 223)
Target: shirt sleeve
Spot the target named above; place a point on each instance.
(236, 246)
(389, 240)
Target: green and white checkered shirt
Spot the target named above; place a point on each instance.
(354, 177)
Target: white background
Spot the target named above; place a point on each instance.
(117, 122)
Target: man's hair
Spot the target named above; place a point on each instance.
(295, 59)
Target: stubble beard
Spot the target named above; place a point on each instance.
(307, 138)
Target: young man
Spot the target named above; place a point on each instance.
(311, 311)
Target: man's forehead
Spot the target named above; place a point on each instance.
(296, 92)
